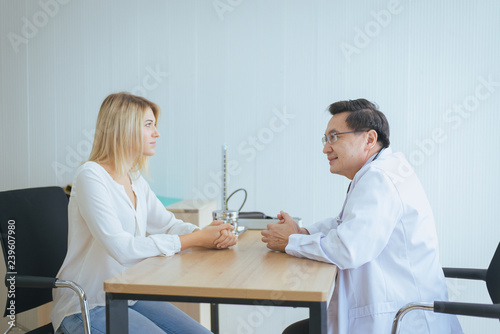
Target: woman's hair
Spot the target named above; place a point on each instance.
(118, 133)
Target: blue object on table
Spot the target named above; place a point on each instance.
(166, 201)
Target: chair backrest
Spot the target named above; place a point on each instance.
(34, 228)
(493, 277)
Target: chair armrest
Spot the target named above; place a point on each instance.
(83, 301)
(476, 310)
(476, 274)
(24, 281)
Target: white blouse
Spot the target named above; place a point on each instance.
(107, 235)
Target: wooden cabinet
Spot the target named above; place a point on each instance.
(198, 213)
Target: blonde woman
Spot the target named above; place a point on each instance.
(115, 221)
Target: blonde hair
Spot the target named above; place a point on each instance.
(118, 133)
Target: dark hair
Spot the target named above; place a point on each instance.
(364, 116)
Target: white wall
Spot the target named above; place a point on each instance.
(227, 71)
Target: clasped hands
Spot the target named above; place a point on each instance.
(276, 236)
(218, 235)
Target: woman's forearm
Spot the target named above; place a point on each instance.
(189, 240)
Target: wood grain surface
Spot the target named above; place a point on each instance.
(247, 270)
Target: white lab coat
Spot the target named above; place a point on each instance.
(385, 245)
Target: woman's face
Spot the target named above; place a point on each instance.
(149, 133)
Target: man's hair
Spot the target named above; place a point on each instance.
(364, 116)
(118, 134)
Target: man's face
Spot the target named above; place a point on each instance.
(349, 153)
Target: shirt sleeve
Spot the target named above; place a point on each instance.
(96, 208)
(160, 220)
(323, 226)
(371, 213)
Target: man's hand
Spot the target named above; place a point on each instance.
(276, 235)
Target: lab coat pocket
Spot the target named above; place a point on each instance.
(373, 309)
(373, 318)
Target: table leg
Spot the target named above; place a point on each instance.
(116, 315)
(214, 318)
(317, 318)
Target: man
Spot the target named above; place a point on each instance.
(383, 241)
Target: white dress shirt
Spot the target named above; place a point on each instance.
(385, 245)
(107, 235)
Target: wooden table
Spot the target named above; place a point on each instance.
(248, 274)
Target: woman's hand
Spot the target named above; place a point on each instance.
(226, 239)
(215, 235)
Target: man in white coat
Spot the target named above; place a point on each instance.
(383, 241)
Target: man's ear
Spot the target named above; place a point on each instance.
(371, 139)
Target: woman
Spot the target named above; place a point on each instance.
(115, 221)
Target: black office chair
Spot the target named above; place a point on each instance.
(34, 230)
(492, 278)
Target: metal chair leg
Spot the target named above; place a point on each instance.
(12, 325)
(83, 302)
(407, 308)
(16, 325)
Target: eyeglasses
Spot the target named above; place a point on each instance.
(332, 137)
